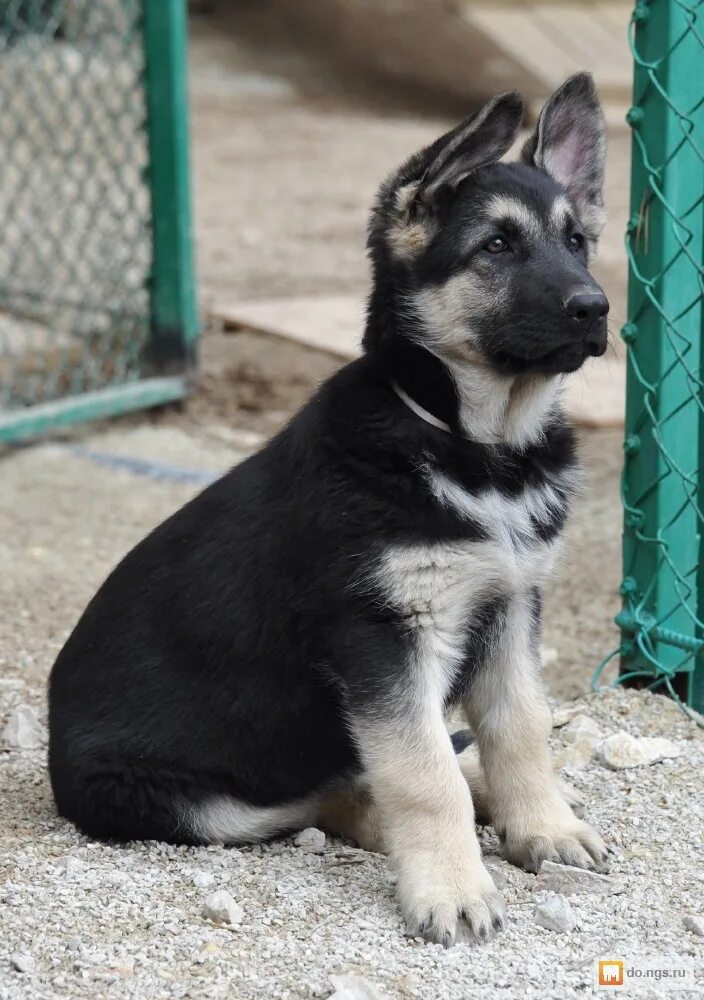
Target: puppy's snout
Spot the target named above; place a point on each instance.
(587, 307)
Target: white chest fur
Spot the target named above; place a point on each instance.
(439, 586)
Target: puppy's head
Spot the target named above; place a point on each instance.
(488, 259)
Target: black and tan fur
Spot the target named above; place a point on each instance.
(281, 651)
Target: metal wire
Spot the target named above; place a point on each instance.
(75, 254)
(663, 587)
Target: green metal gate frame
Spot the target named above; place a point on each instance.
(171, 350)
(662, 619)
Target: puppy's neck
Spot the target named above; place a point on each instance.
(463, 392)
(503, 409)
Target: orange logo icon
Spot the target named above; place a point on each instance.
(610, 972)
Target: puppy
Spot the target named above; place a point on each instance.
(280, 652)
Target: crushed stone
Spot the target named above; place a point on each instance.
(106, 921)
(555, 914)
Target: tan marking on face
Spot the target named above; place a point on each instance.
(560, 212)
(447, 309)
(503, 207)
(406, 237)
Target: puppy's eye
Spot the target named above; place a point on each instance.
(497, 244)
(576, 242)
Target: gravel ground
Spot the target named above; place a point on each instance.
(80, 919)
(88, 920)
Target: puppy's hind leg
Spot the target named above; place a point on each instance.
(350, 812)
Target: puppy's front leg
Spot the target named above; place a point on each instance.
(428, 821)
(507, 710)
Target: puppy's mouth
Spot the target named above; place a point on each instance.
(560, 360)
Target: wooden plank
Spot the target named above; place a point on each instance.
(331, 323)
(518, 34)
(594, 397)
(603, 49)
(554, 40)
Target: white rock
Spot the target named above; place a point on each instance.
(23, 729)
(311, 839)
(623, 750)
(548, 656)
(582, 728)
(695, 924)
(221, 907)
(72, 866)
(577, 754)
(562, 714)
(23, 963)
(203, 880)
(351, 987)
(571, 881)
(556, 914)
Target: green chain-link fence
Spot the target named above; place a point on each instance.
(97, 306)
(662, 619)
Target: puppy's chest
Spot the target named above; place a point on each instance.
(510, 548)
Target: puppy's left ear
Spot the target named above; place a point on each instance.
(569, 143)
(481, 139)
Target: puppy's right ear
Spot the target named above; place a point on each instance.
(403, 218)
(476, 142)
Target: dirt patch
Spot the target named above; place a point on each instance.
(251, 381)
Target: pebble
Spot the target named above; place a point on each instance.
(562, 714)
(695, 924)
(72, 866)
(571, 881)
(351, 987)
(582, 728)
(203, 880)
(311, 839)
(23, 963)
(23, 729)
(577, 754)
(623, 750)
(222, 908)
(556, 914)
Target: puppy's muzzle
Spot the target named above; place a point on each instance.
(587, 310)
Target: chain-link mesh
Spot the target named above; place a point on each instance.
(75, 252)
(663, 586)
(97, 303)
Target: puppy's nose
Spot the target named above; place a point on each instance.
(587, 307)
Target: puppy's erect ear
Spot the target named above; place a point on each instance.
(569, 143)
(477, 141)
(404, 217)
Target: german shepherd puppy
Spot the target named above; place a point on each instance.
(280, 652)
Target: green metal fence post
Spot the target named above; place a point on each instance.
(97, 302)
(663, 588)
(175, 325)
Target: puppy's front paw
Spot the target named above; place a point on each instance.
(439, 902)
(569, 841)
